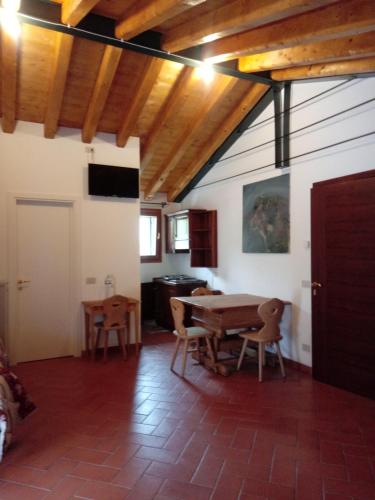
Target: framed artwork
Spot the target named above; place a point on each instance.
(265, 222)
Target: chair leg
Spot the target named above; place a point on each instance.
(121, 342)
(106, 335)
(175, 352)
(211, 353)
(264, 355)
(128, 332)
(186, 345)
(260, 361)
(240, 359)
(94, 348)
(280, 359)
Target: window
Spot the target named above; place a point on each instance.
(181, 232)
(149, 233)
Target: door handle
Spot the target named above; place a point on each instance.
(21, 283)
(315, 285)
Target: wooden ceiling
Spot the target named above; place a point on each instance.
(67, 81)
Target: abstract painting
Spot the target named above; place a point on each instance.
(265, 223)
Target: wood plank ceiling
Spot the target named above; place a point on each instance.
(64, 81)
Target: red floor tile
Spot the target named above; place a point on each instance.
(135, 430)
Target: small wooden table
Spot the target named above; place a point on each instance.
(94, 308)
(219, 313)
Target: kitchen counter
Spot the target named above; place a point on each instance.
(176, 285)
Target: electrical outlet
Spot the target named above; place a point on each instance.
(90, 281)
(89, 149)
(306, 348)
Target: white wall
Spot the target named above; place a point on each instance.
(29, 163)
(281, 275)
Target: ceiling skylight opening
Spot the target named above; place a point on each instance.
(206, 72)
(8, 18)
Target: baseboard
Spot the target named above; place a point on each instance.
(298, 366)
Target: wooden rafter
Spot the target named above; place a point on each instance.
(338, 20)
(234, 17)
(218, 137)
(73, 11)
(223, 87)
(145, 14)
(355, 47)
(9, 74)
(147, 80)
(59, 73)
(341, 68)
(177, 96)
(106, 74)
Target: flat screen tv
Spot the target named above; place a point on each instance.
(107, 180)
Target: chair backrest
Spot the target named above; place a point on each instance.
(115, 309)
(201, 291)
(270, 313)
(178, 313)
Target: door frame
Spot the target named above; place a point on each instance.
(75, 263)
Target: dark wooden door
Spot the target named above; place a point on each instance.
(343, 282)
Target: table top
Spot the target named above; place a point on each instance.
(221, 303)
(99, 302)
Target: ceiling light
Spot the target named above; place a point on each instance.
(210, 38)
(8, 17)
(206, 72)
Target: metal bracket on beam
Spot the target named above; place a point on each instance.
(282, 125)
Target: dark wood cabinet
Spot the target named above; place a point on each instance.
(202, 236)
(164, 290)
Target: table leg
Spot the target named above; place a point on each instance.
(87, 334)
(137, 329)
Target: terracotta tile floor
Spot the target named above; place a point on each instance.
(135, 430)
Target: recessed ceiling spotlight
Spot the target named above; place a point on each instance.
(210, 38)
(8, 17)
(206, 72)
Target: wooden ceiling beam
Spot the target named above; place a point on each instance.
(146, 83)
(218, 92)
(234, 17)
(218, 137)
(9, 72)
(341, 19)
(59, 73)
(108, 67)
(73, 11)
(355, 47)
(146, 14)
(176, 98)
(341, 68)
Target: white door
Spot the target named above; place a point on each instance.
(44, 280)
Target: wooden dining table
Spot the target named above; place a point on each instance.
(221, 313)
(94, 308)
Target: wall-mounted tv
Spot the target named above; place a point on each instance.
(107, 180)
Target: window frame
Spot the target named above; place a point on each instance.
(155, 212)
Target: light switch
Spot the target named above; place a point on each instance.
(90, 281)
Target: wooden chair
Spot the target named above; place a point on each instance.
(201, 290)
(115, 310)
(187, 334)
(270, 313)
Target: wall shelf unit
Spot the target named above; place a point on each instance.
(202, 236)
